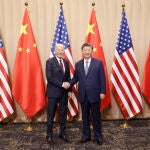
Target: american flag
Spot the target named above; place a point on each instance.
(6, 103)
(61, 36)
(125, 83)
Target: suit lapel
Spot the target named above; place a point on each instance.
(56, 62)
(65, 65)
(82, 68)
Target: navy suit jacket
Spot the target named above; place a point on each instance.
(55, 77)
(92, 84)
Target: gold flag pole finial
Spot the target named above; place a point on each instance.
(26, 4)
(61, 3)
(93, 4)
(123, 5)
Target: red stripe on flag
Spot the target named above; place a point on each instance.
(133, 78)
(8, 98)
(69, 115)
(1, 116)
(132, 59)
(74, 91)
(127, 64)
(121, 104)
(7, 103)
(73, 105)
(124, 92)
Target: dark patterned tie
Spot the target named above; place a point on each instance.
(61, 66)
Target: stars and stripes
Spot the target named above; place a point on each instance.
(6, 103)
(124, 76)
(61, 36)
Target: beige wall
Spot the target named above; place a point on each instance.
(44, 16)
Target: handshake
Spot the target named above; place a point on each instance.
(66, 85)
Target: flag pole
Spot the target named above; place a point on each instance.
(125, 125)
(26, 4)
(123, 4)
(61, 3)
(56, 118)
(29, 120)
(91, 126)
(29, 127)
(57, 126)
(93, 3)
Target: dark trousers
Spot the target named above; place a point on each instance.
(51, 110)
(94, 109)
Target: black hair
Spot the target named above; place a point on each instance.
(86, 44)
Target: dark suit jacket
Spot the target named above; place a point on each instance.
(55, 77)
(93, 84)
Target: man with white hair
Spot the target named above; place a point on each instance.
(57, 75)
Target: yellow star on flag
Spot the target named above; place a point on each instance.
(23, 29)
(90, 29)
(94, 49)
(20, 49)
(34, 45)
(28, 50)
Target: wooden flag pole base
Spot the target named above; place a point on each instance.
(125, 125)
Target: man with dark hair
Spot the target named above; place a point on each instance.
(89, 72)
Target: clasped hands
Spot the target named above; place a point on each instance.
(66, 85)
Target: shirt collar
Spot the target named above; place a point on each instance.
(89, 60)
(58, 59)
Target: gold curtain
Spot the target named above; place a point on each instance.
(44, 16)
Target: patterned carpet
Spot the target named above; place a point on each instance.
(14, 137)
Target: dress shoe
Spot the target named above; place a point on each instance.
(64, 138)
(99, 141)
(84, 140)
(50, 140)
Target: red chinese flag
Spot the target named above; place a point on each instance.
(28, 85)
(93, 37)
(146, 77)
